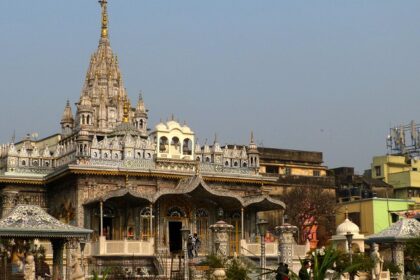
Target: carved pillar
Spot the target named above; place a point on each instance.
(151, 222)
(398, 258)
(286, 239)
(58, 248)
(101, 214)
(242, 224)
(9, 199)
(221, 238)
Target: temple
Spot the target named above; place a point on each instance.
(136, 186)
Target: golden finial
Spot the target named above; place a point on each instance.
(104, 31)
(125, 111)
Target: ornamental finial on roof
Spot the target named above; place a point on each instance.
(104, 29)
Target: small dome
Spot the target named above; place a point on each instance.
(161, 127)
(347, 226)
(173, 124)
(186, 129)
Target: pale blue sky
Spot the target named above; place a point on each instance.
(330, 76)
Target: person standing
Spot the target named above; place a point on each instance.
(197, 244)
(190, 246)
(282, 272)
(304, 272)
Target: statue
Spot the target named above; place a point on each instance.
(377, 261)
(29, 268)
(76, 270)
(17, 263)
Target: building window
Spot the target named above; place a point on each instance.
(377, 171)
(317, 173)
(272, 169)
(394, 217)
(288, 171)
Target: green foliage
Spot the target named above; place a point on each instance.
(392, 267)
(237, 270)
(412, 253)
(360, 262)
(103, 276)
(213, 261)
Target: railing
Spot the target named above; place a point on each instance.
(254, 249)
(122, 247)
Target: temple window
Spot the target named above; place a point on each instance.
(163, 144)
(207, 159)
(35, 163)
(187, 147)
(23, 163)
(244, 164)
(141, 123)
(226, 163)
(145, 233)
(235, 164)
(175, 144)
(175, 211)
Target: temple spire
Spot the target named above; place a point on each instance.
(104, 29)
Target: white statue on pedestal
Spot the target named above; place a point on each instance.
(29, 268)
(377, 261)
(76, 270)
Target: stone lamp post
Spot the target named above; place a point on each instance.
(185, 232)
(262, 228)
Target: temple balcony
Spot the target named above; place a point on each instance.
(104, 247)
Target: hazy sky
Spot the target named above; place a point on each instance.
(330, 76)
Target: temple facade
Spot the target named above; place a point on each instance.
(136, 186)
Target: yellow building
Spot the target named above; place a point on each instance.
(403, 173)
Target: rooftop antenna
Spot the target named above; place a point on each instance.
(14, 136)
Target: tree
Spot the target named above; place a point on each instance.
(311, 205)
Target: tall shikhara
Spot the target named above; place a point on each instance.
(101, 105)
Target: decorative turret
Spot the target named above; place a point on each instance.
(140, 117)
(217, 152)
(67, 121)
(253, 154)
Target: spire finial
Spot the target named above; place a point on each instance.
(140, 95)
(346, 213)
(252, 136)
(104, 30)
(215, 138)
